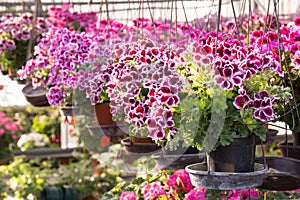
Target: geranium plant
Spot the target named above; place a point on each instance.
(290, 50)
(177, 185)
(15, 33)
(59, 54)
(144, 88)
(230, 90)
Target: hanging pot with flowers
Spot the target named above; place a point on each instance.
(230, 83)
(290, 52)
(15, 34)
(144, 90)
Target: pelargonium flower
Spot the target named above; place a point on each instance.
(297, 21)
(179, 182)
(55, 96)
(242, 101)
(144, 86)
(262, 104)
(153, 191)
(249, 193)
(128, 196)
(195, 194)
(229, 76)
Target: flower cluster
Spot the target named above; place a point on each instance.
(9, 132)
(20, 27)
(15, 32)
(128, 196)
(154, 190)
(159, 188)
(144, 87)
(179, 183)
(63, 17)
(32, 140)
(58, 58)
(6, 44)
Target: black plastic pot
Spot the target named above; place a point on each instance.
(60, 193)
(239, 156)
(36, 97)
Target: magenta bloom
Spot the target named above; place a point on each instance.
(195, 194)
(241, 101)
(128, 196)
(153, 190)
(245, 194)
(179, 181)
(262, 104)
(297, 21)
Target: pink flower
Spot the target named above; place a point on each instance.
(297, 21)
(248, 194)
(2, 132)
(153, 190)
(179, 182)
(195, 194)
(128, 196)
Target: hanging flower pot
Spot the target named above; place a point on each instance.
(283, 174)
(239, 156)
(115, 132)
(69, 110)
(179, 158)
(229, 167)
(201, 177)
(35, 96)
(140, 147)
(290, 150)
(103, 114)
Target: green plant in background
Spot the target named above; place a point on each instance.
(15, 58)
(3, 188)
(10, 130)
(81, 176)
(46, 124)
(27, 179)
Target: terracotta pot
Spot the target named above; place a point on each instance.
(103, 114)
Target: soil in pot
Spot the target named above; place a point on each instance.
(239, 156)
